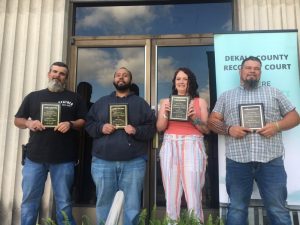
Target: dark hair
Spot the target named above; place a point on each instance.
(135, 89)
(253, 58)
(192, 82)
(84, 87)
(128, 71)
(60, 64)
(85, 90)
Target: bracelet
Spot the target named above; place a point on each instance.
(71, 124)
(228, 129)
(165, 116)
(277, 126)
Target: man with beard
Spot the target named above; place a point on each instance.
(50, 149)
(254, 155)
(118, 161)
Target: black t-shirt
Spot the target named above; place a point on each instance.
(49, 146)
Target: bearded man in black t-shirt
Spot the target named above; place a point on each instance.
(53, 115)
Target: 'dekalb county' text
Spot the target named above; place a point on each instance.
(236, 61)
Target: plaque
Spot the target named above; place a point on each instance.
(118, 115)
(252, 115)
(179, 107)
(50, 114)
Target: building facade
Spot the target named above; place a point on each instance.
(34, 33)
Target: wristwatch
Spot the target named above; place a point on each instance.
(71, 124)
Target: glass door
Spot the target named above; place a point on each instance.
(153, 61)
(196, 53)
(93, 62)
(95, 71)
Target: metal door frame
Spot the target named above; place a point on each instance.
(150, 43)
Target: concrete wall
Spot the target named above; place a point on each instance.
(32, 35)
(267, 15)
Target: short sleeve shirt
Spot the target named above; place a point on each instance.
(49, 146)
(253, 147)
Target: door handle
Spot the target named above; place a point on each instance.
(155, 141)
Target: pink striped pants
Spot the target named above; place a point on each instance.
(183, 164)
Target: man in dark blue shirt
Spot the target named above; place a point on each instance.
(119, 153)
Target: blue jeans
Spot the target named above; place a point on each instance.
(112, 176)
(33, 183)
(271, 180)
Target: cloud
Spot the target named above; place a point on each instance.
(116, 18)
(111, 20)
(99, 64)
(228, 25)
(166, 69)
(134, 60)
(95, 64)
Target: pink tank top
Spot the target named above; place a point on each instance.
(184, 127)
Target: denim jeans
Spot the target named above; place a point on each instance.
(271, 180)
(112, 176)
(33, 183)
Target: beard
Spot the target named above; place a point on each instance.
(251, 84)
(123, 87)
(55, 85)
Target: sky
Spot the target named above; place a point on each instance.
(97, 65)
(153, 19)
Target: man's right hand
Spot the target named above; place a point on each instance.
(108, 128)
(34, 125)
(238, 131)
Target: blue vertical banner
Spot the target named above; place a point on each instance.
(280, 69)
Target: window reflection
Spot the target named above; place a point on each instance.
(153, 19)
(193, 57)
(97, 66)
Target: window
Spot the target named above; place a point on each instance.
(153, 19)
